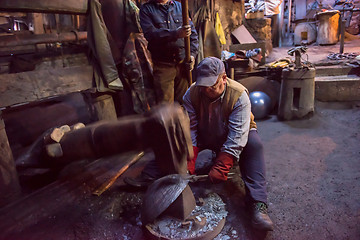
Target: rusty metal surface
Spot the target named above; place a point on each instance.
(182, 207)
(160, 195)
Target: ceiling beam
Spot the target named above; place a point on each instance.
(45, 6)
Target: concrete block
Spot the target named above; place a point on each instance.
(296, 93)
(305, 32)
(337, 88)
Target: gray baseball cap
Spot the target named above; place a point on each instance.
(208, 71)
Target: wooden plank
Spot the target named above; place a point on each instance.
(47, 6)
(62, 200)
(38, 23)
(243, 35)
(9, 182)
(30, 86)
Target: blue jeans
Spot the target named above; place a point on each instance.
(252, 168)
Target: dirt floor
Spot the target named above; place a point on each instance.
(313, 173)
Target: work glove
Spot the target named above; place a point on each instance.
(189, 66)
(183, 31)
(191, 162)
(219, 171)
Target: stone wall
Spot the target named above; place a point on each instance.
(260, 29)
(231, 16)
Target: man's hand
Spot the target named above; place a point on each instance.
(183, 31)
(219, 171)
(189, 66)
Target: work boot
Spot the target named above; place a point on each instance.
(260, 218)
(141, 181)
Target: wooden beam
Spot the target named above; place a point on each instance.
(38, 23)
(36, 85)
(31, 39)
(46, 6)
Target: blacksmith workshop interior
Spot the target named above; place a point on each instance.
(81, 119)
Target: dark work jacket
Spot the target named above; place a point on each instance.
(159, 24)
(110, 23)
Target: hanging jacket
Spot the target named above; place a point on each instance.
(110, 23)
(105, 71)
(209, 43)
(137, 72)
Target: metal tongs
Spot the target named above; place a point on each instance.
(195, 178)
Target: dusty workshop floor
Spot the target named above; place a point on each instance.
(313, 174)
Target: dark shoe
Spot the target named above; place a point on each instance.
(140, 181)
(260, 218)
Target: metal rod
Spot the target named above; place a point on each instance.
(106, 185)
(31, 39)
(342, 37)
(281, 24)
(289, 17)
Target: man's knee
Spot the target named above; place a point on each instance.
(254, 141)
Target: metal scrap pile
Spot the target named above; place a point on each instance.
(350, 59)
(340, 56)
(205, 218)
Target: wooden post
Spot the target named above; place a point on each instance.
(101, 106)
(185, 17)
(9, 182)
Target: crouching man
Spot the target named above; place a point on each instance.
(221, 120)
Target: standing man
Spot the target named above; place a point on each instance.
(220, 119)
(161, 22)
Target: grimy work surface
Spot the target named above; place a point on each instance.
(318, 54)
(313, 172)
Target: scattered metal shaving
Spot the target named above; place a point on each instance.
(213, 210)
(341, 56)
